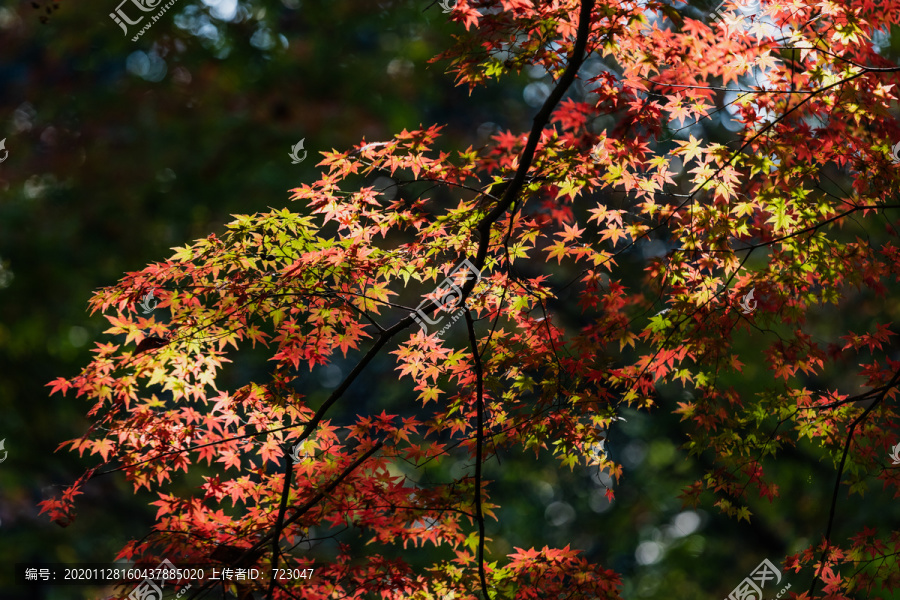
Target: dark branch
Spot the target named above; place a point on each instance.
(479, 443)
(538, 123)
(279, 520)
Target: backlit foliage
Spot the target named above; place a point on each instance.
(798, 206)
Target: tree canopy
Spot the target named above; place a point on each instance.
(698, 228)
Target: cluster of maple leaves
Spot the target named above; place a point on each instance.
(537, 212)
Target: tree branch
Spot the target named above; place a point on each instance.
(279, 520)
(538, 123)
(479, 443)
(511, 193)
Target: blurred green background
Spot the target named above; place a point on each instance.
(120, 150)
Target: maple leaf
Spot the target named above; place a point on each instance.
(230, 458)
(60, 384)
(689, 149)
(104, 447)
